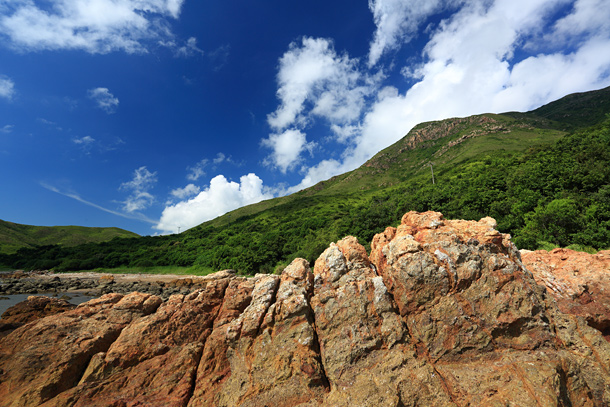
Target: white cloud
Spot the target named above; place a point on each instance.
(287, 148)
(588, 17)
(197, 171)
(8, 128)
(189, 49)
(312, 75)
(220, 157)
(472, 64)
(139, 196)
(75, 196)
(96, 26)
(83, 140)
(189, 190)
(219, 198)
(319, 172)
(7, 87)
(314, 82)
(398, 21)
(104, 99)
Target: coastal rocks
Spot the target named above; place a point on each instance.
(442, 313)
(30, 310)
(94, 284)
(155, 357)
(579, 282)
(42, 359)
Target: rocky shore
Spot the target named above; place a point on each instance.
(439, 313)
(96, 284)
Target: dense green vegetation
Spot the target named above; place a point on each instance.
(542, 175)
(14, 236)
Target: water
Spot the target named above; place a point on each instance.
(13, 299)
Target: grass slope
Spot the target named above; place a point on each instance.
(14, 236)
(544, 175)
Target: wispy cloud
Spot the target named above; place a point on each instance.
(134, 216)
(83, 140)
(187, 191)
(219, 56)
(104, 99)
(197, 171)
(7, 87)
(139, 196)
(96, 26)
(7, 128)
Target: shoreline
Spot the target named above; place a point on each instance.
(96, 284)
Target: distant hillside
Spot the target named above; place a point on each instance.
(14, 236)
(543, 175)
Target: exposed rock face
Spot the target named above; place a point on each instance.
(30, 310)
(579, 282)
(442, 313)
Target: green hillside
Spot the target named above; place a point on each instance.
(544, 175)
(14, 236)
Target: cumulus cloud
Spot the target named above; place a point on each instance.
(104, 99)
(220, 197)
(96, 26)
(313, 73)
(138, 188)
(398, 21)
(314, 82)
(287, 148)
(7, 87)
(475, 61)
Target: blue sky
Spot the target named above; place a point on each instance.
(157, 115)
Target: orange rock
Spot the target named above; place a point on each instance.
(442, 313)
(35, 307)
(579, 282)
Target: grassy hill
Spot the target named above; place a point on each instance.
(544, 175)
(14, 236)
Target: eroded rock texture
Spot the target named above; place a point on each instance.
(35, 307)
(579, 282)
(442, 313)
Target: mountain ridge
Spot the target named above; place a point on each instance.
(14, 235)
(520, 168)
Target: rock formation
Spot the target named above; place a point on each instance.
(441, 313)
(35, 307)
(579, 282)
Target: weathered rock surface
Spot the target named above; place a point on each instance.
(30, 310)
(442, 313)
(579, 282)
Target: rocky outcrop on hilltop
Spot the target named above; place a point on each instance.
(441, 313)
(579, 282)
